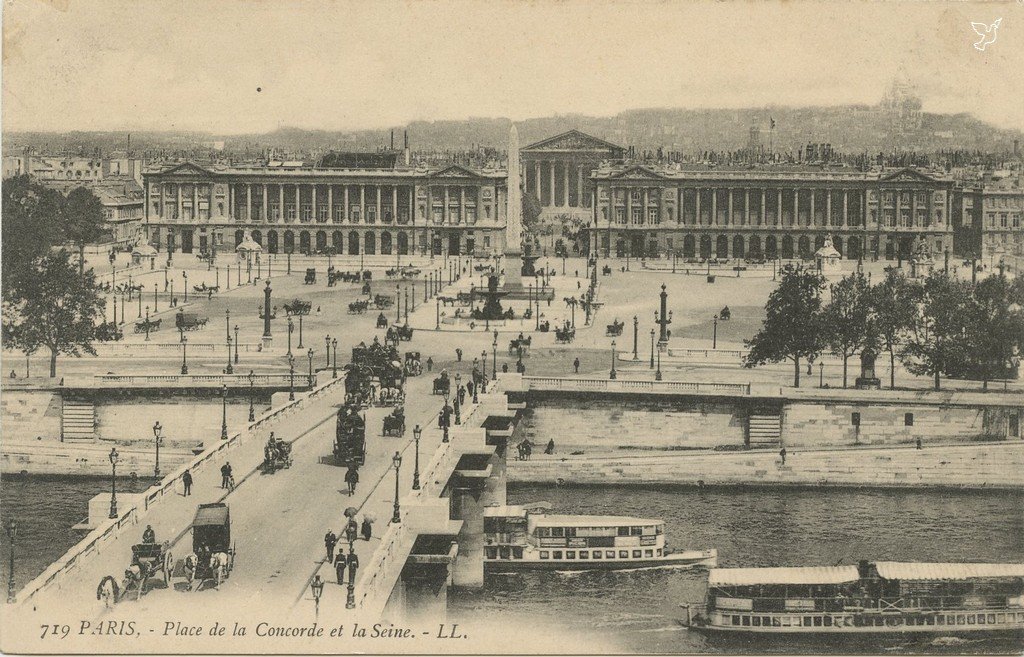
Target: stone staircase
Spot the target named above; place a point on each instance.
(78, 421)
(764, 429)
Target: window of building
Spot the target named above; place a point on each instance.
(908, 419)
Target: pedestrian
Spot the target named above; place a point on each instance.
(339, 566)
(352, 478)
(576, 365)
(458, 355)
(430, 363)
(367, 528)
(330, 540)
(186, 479)
(353, 565)
(225, 475)
(351, 531)
(550, 449)
(782, 453)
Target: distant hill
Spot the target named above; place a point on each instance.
(851, 129)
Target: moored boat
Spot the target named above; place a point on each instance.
(518, 538)
(870, 598)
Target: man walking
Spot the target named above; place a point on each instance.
(330, 540)
(352, 478)
(225, 475)
(186, 479)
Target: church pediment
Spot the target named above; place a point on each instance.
(638, 173)
(907, 175)
(574, 141)
(187, 169)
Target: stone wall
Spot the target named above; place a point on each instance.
(29, 414)
(990, 465)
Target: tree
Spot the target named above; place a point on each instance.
(939, 339)
(997, 334)
(846, 318)
(84, 222)
(31, 224)
(893, 305)
(792, 327)
(58, 308)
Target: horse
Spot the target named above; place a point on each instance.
(108, 591)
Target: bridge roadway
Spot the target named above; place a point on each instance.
(278, 520)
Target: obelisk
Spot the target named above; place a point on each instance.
(513, 216)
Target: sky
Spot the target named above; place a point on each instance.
(232, 66)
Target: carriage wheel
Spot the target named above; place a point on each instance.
(168, 567)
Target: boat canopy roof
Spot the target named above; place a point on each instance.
(946, 571)
(803, 575)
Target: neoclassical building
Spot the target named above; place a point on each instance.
(290, 208)
(557, 170)
(731, 213)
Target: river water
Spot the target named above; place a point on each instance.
(639, 611)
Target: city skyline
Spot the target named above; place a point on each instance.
(257, 67)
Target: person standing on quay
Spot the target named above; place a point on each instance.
(186, 479)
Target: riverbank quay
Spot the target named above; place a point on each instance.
(981, 466)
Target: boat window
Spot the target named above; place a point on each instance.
(609, 554)
(544, 554)
(623, 554)
(648, 553)
(584, 554)
(557, 554)
(597, 554)
(570, 554)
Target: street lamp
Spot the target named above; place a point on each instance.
(458, 403)
(318, 589)
(714, 335)
(334, 365)
(113, 456)
(12, 536)
(236, 344)
(224, 412)
(252, 411)
(416, 433)
(310, 355)
(184, 362)
(612, 375)
(158, 438)
(397, 460)
(291, 378)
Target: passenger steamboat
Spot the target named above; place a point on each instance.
(881, 597)
(527, 537)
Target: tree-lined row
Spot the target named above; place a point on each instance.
(938, 326)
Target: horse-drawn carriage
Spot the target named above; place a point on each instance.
(394, 424)
(277, 454)
(147, 325)
(413, 366)
(189, 321)
(213, 553)
(358, 307)
(520, 346)
(148, 559)
(298, 307)
(615, 329)
(565, 334)
(442, 385)
(350, 436)
(310, 278)
(382, 302)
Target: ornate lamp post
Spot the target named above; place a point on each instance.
(652, 349)
(184, 362)
(252, 410)
(458, 403)
(310, 355)
(318, 590)
(714, 333)
(334, 365)
(113, 456)
(291, 378)
(636, 327)
(416, 433)
(158, 438)
(229, 369)
(12, 536)
(397, 461)
(224, 412)
(291, 329)
(612, 375)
